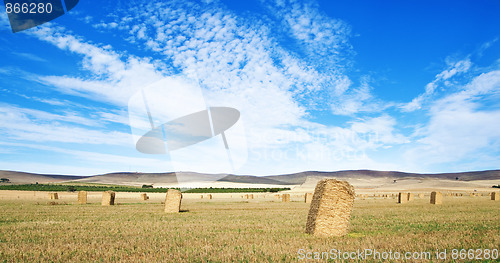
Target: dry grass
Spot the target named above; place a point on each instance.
(241, 231)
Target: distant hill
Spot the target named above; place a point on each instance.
(31, 178)
(170, 178)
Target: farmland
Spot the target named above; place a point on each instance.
(230, 228)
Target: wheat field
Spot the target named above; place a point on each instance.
(239, 230)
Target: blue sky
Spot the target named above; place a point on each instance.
(411, 86)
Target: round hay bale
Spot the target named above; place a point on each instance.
(330, 209)
(82, 197)
(402, 198)
(173, 201)
(108, 198)
(436, 198)
(308, 198)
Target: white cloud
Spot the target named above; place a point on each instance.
(4, 20)
(39, 126)
(441, 80)
(113, 80)
(462, 129)
(238, 63)
(80, 160)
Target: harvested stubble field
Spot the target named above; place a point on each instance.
(239, 230)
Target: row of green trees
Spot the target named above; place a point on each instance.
(145, 188)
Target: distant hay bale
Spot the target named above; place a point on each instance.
(495, 196)
(251, 196)
(308, 198)
(144, 197)
(108, 198)
(402, 198)
(201, 197)
(436, 198)
(330, 209)
(421, 196)
(82, 197)
(285, 197)
(53, 196)
(411, 197)
(209, 196)
(173, 201)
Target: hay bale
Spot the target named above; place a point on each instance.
(144, 197)
(209, 196)
(436, 198)
(82, 197)
(421, 196)
(330, 209)
(108, 198)
(495, 196)
(173, 201)
(251, 196)
(308, 198)
(411, 197)
(53, 196)
(402, 198)
(285, 198)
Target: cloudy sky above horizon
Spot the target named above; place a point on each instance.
(412, 86)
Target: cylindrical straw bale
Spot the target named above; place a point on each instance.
(402, 198)
(308, 198)
(436, 198)
(330, 209)
(108, 198)
(82, 197)
(173, 201)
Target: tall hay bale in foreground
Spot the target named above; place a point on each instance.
(108, 198)
(421, 196)
(436, 198)
(495, 196)
(82, 197)
(330, 209)
(402, 198)
(308, 198)
(173, 201)
(411, 197)
(285, 198)
(53, 196)
(144, 197)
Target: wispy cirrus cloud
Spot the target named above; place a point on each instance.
(442, 79)
(462, 131)
(238, 63)
(39, 126)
